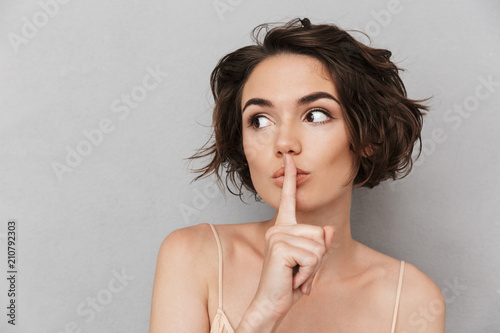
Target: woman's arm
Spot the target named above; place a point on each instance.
(180, 291)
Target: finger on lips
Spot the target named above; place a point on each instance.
(286, 212)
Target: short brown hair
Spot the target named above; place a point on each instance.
(382, 123)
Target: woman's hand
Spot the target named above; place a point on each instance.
(289, 244)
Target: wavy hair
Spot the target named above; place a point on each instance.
(383, 124)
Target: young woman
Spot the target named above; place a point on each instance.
(300, 119)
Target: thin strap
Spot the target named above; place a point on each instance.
(220, 264)
(398, 294)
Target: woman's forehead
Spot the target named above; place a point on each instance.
(287, 76)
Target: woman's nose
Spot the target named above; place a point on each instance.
(288, 140)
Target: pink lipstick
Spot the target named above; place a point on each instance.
(279, 175)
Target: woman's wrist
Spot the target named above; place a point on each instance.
(258, 318)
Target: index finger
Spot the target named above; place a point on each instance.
(286, 210)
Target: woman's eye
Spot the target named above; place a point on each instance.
(318, 116)
(259, 121)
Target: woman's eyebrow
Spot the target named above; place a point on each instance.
(315, 96)
(304, 100)
(257, 101)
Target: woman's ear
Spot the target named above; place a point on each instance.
(367, 151)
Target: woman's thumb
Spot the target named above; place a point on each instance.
(329, 232)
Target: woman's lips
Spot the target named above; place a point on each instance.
(279, 176)
(301, 177)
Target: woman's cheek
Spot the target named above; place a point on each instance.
(250, 149)
(264, 186)
(255, 143)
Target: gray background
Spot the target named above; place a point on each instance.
(109, 214)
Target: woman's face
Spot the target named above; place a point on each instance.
(289, 105)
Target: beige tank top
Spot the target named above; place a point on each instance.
(221, 324)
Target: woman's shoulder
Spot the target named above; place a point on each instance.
(198, 241)
(192, 247)
(420, 297)
(203, 232)
(412, 276)
(192, 238)
(422, 301)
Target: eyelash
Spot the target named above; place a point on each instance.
(252, 119)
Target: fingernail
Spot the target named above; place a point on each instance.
(284, 159)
